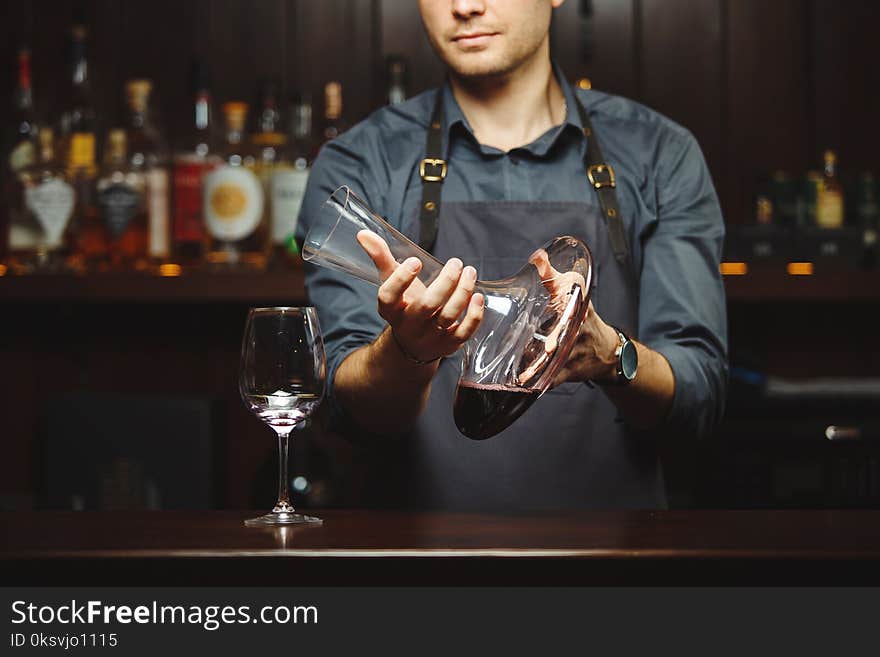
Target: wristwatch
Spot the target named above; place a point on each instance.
(627, 359)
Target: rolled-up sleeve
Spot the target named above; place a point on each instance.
(682, 311)
(346, 306)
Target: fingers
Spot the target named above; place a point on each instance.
(472, 319)
(458, 301)
(439, 292)
(392, 290)
(542, 263)
(378, 251)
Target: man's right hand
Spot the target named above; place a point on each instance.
(425, 320)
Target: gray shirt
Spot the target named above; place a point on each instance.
(670, 210)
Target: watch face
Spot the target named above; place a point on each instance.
(629, 360)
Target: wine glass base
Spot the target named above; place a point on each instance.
(274, 519)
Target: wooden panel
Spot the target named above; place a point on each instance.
(247, 43)
(681, 68)
(610, 59)
(846, 83)
(333, 40)
(768, 116)
(404, 34)
(161, 50)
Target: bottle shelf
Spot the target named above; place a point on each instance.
(287, 287)
(281, 287)
(797, 282)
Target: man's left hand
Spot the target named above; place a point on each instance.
(592, 357)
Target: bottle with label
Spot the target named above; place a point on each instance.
(190, 167)
(19, 153)
(397, 79)
(46, 206)
(334, 124)
(78, 152)
(234, 201)
(288, 185)
(829, 195)
(148, 154)
(121, 193)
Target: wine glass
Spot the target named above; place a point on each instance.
(281, 380)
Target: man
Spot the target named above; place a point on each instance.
(484, 171)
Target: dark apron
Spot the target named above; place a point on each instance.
(569, 450)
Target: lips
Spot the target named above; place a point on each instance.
(474, 41)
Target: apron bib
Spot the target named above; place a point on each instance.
(569, 450)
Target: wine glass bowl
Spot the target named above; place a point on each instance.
(282, 380)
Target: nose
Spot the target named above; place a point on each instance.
(468, 8)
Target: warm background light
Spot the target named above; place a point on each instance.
(800, 268)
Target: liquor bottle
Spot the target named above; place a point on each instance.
(288, 185)
(148, 154)
(270, 145)
(234, 201)
(829, 195)
(397, 79)
(269, 140)
(190, 167)
(334, 124)
(46, 206)
(867, 212)
(22, 146)
(121, 193)
(19, 151)
(77, 151)
(78, 121)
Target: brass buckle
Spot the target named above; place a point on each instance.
(595, 169)
(430, 161)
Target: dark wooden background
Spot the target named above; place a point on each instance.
(763, 84)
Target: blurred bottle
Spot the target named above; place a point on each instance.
(21, 144)
(398, 79)
(333, 124)
(148, 154)
(19, 152)
(77, 150)
(289, 179)
(829, 195)
(190, 167)
(121, 193)
(46, 206)
(234, 201)
(764, 201)
(867, 211)
(270, 143)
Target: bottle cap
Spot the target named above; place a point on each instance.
(236, 113)
(138, 94)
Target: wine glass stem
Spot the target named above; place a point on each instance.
(283, 503)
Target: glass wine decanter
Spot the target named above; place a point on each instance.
(530, 321)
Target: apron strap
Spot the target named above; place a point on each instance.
(432, 170)
(601, 177)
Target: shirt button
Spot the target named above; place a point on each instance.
(513, 159)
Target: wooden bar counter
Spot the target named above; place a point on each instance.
(364, 547)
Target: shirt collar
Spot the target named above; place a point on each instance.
(455, 120)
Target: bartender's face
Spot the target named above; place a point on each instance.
(486, 38)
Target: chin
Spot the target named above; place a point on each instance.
(478, 65)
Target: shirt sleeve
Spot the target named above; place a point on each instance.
(347, 306)
(682, 310)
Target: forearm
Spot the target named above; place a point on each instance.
(645, 402)
(380, 389)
